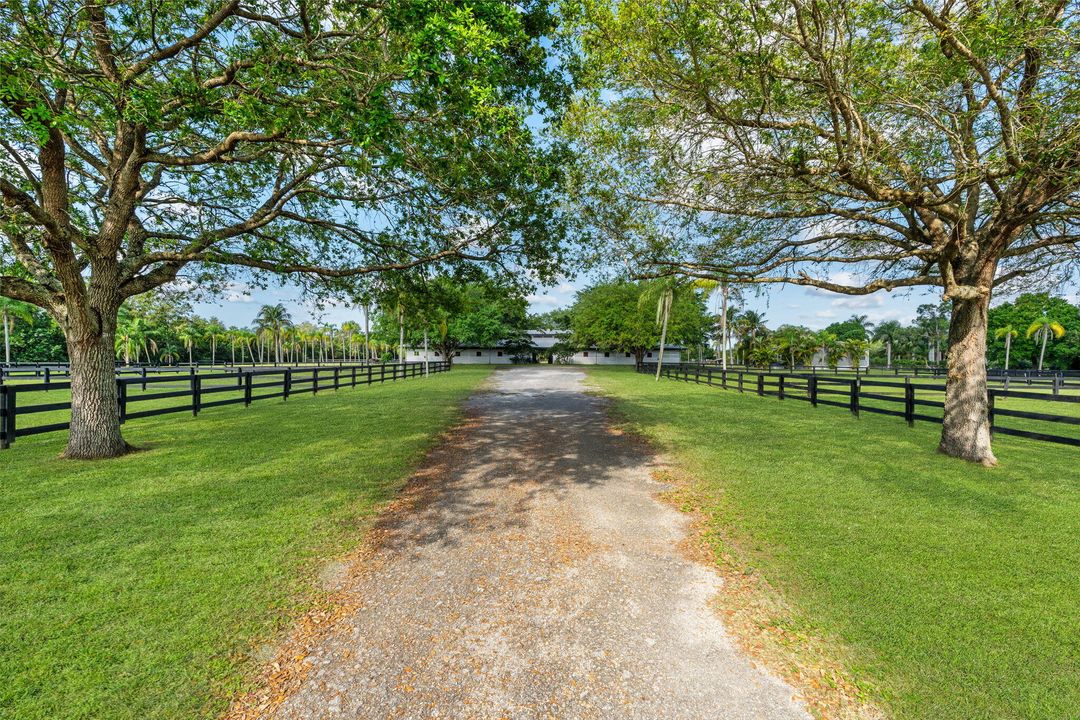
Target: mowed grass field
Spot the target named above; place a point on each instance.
(143, 587)
(952, 589)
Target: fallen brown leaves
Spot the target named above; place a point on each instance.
(755, 613)
(286, 673)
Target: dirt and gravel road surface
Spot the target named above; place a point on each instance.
(539, 577)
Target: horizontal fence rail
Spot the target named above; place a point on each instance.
(910, 398)
(20, 403)
(1063, 379)
(50, 372)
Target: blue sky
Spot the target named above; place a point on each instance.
(780, 304)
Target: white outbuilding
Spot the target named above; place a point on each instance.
(542, 348)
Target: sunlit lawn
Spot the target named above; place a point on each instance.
(140, 587)
(954, 587)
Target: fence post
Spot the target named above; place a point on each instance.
(336, 378)
(315, 381)
(47, 380)
(287, 384)
(370, 368)
(196, 386)
(247, 388)
(7, 416)
(121, 399)
(760, 384)
(1056, 385)
(353, 376)
(811, 386)
(740, 381)
(780, 387)
(143, 378)
(855, 398)
(909, 402)
(990, 409)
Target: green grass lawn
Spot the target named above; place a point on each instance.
(955, 590)
(141, 587)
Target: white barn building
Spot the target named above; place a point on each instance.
(541, 344)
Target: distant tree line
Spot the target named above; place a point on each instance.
(162, 328)
(1035, 329)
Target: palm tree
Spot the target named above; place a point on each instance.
(169, 354)
(10, 311)
(749, 325)
(133, 338)
(273, 319)
(887, 332)
(663, 294)
(1008, 332)
(349, 331)
(367, 331)
(794, 342)
(247, 337)
(855, 350)
(1045, 326)
(828, 342)
(233, 336)
(726, 317)
(189, 336)
(863, 322)
(214, 331)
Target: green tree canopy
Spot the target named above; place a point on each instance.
(854, 328)
(610, 316)
(1020, 313)
(850, 145)
(321, 139)
(456, 313)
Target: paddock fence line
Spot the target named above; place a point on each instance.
(878, 395)
(48, 372)
(999, 376)
(197, 392)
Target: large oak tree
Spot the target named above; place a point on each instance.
(149, 140)
(851, 145)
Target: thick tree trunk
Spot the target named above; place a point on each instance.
(95, 420)
(965, 432)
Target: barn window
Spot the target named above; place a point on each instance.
(457, 354)
(648, 354)
(585, 354)
(607, 354)
(417, 353)
(479, 353)
(627, 354)
(499, 353)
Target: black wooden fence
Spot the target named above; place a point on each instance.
(851, 392)
(18, 402)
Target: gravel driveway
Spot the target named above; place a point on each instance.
(540, 579)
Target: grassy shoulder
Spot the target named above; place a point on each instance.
(950, 588)
(141, 587)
